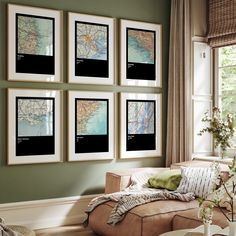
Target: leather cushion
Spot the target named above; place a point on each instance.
(149, 219)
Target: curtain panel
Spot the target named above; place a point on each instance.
(221, 22)
(178, 145)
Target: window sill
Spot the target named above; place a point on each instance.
(226, 160)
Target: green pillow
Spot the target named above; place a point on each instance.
(168, 179)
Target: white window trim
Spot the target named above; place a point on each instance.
(230, 151)
(200, 96)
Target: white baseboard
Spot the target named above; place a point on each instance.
(46, 213)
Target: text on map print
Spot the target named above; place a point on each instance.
(34, 126)
(35, 44)
(91, 49)
(91, 125)
(140, 58)
(140, 125)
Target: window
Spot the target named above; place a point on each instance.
(226, 81)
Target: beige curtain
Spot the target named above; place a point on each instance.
(221, 22)
(178, 146)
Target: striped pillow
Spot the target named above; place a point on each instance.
(199, 180)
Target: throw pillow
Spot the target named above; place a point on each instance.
(199, 180)
(168, 179)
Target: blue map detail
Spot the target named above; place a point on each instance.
(141, 116)
(137, 53)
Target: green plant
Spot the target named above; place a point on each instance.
(223, 197)
(221, 129)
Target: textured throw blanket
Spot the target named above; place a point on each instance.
(6, 231)
(130, 198)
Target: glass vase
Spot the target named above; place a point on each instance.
(221, 153)
(232, 228)
(207, 229)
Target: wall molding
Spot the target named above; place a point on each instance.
(46, 213)
(199, 39)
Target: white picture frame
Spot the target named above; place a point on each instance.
(140, 127)
(90, 126)
(34, 126)
(140, 54)
(28, 60)
(85, 64)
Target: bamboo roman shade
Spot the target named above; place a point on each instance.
(221, 22)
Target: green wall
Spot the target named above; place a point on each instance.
(43, 181)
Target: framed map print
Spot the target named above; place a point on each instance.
(140, 131)
(141, 55)
(91, 49)
(91, 125)
(34, 126)
(34, 44)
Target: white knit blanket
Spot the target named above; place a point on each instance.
(126, 200)
(6, 231)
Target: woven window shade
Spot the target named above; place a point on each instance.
(221, 22)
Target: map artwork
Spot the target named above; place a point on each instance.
(141, 117)
(35, 35)
(91, 117)
(34, 117)
(141, 46)
(91, 41)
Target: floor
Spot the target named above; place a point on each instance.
(72, 230)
